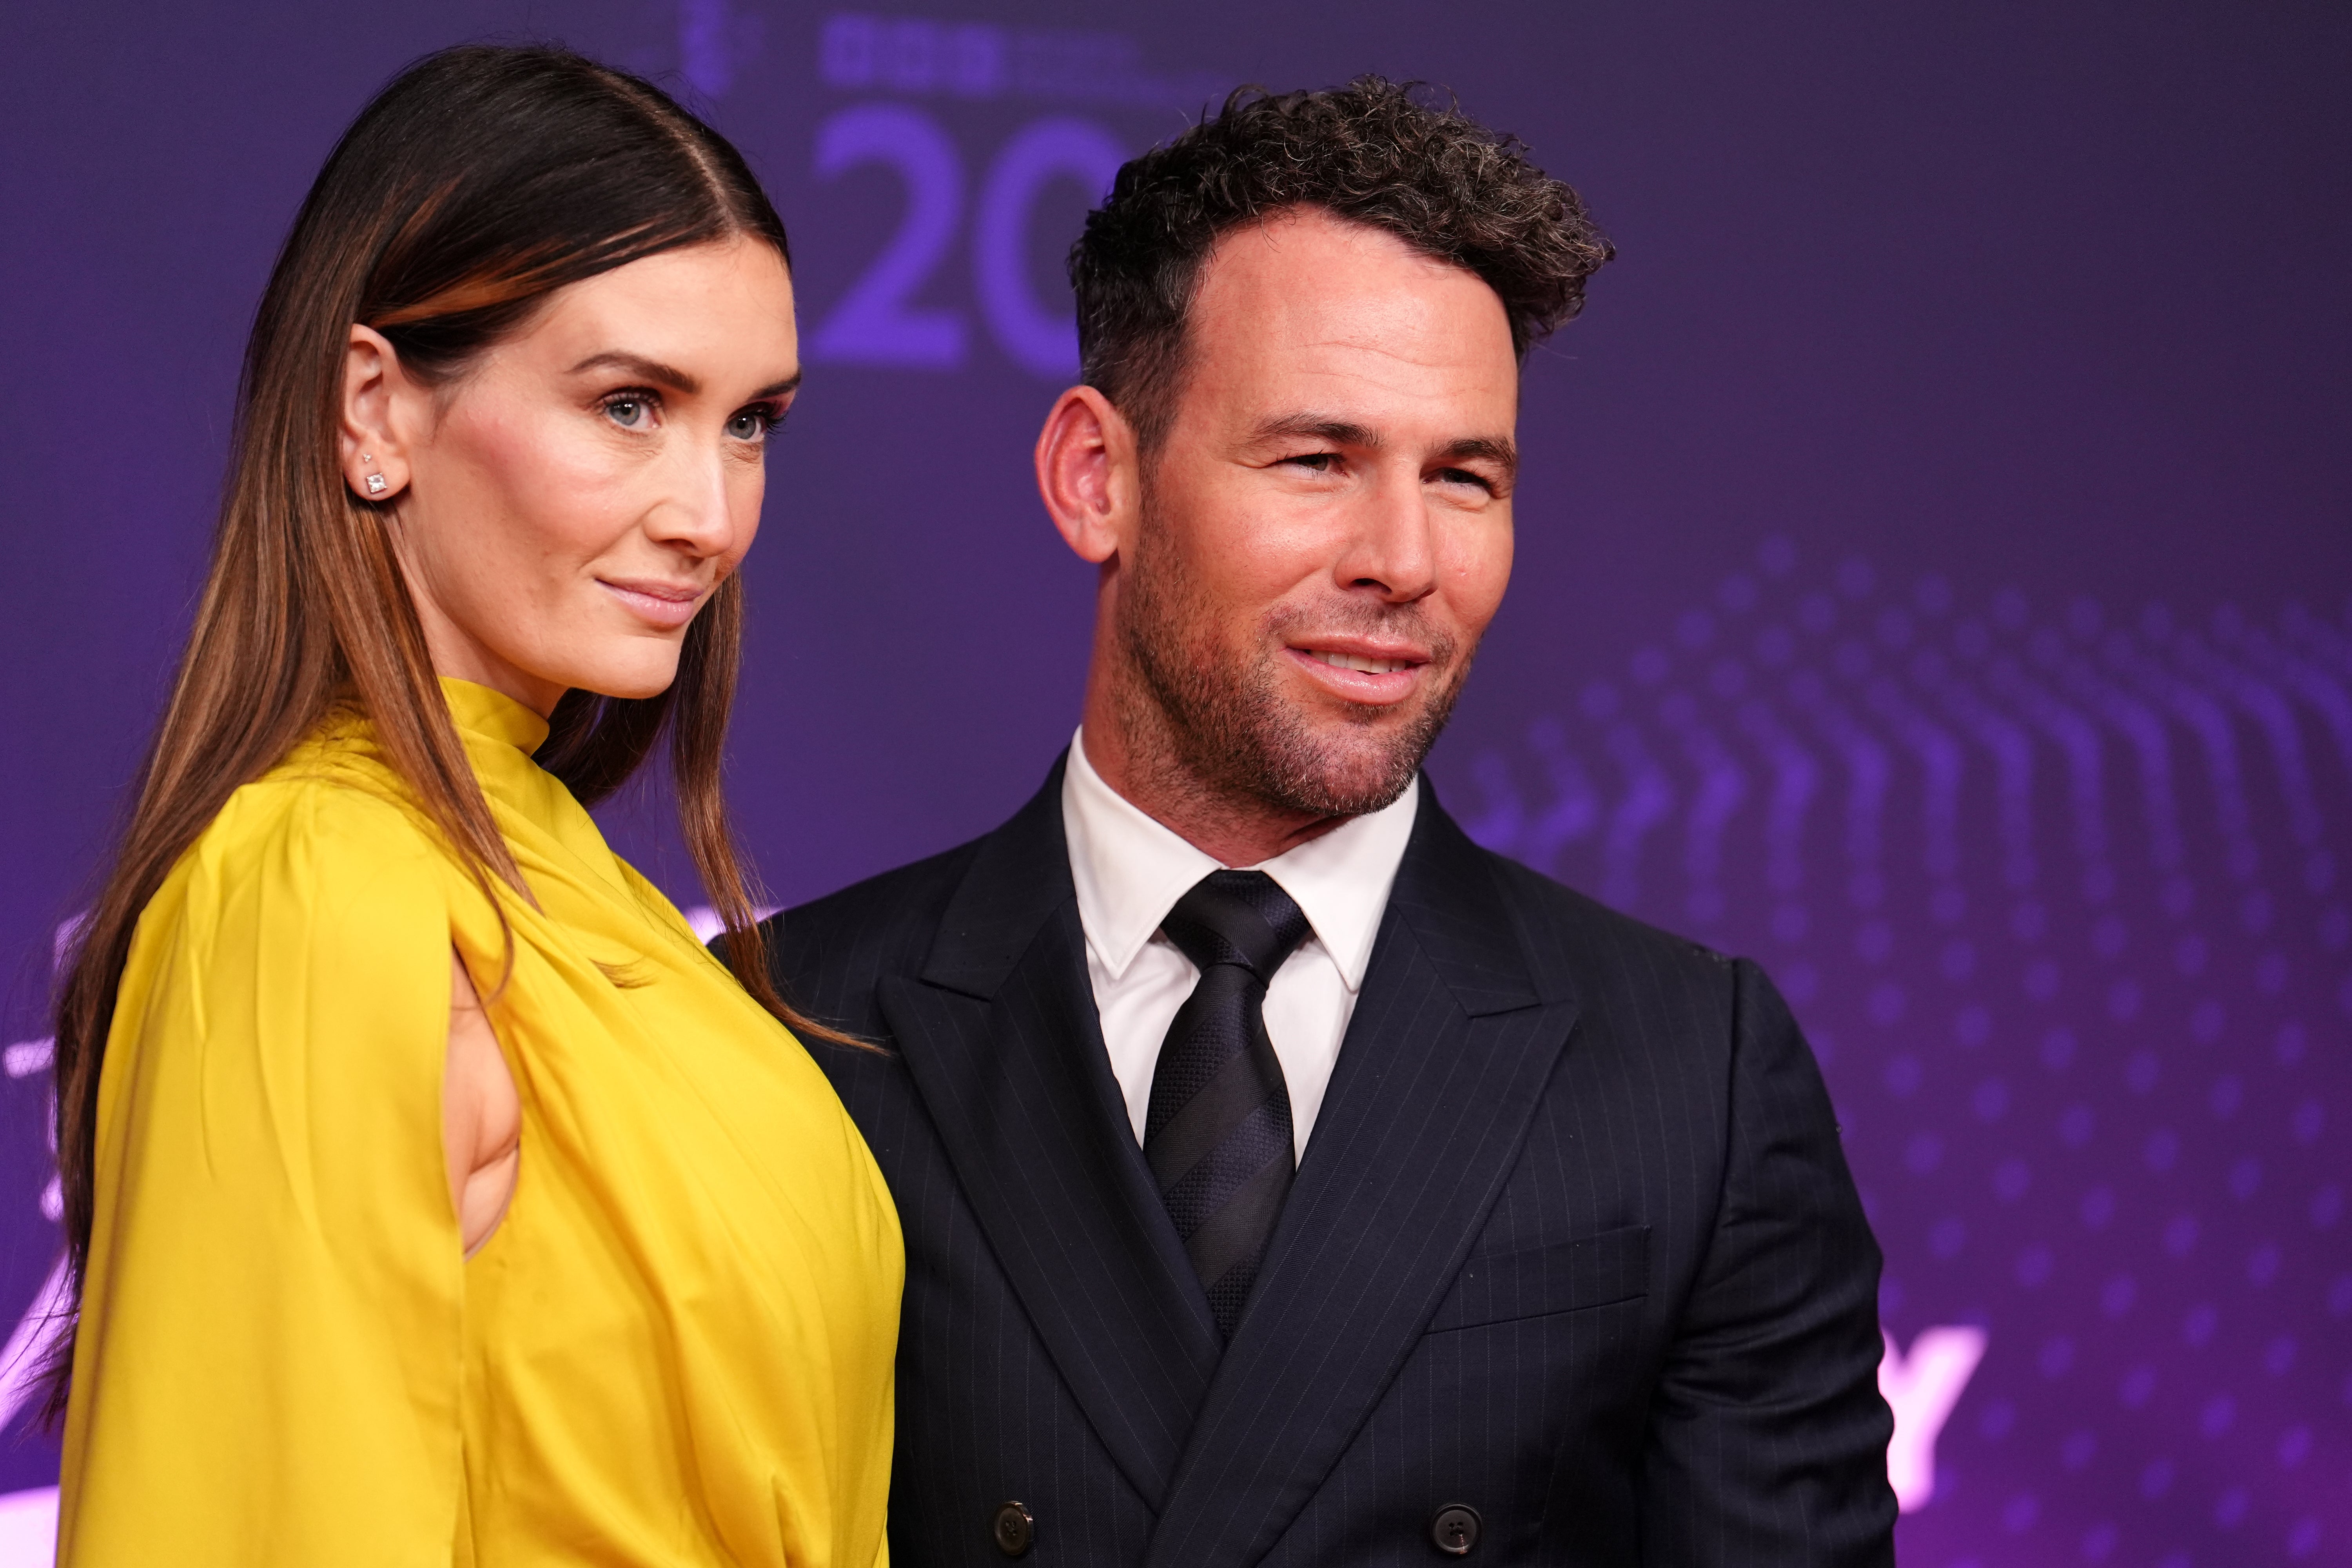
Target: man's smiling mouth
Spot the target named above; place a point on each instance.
(1350, 661)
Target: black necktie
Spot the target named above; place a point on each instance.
(1218, 1134)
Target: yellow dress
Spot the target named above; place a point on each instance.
(677, 1348)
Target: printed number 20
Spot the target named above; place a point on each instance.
(876, 322)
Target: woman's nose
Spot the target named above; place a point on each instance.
(698, 510)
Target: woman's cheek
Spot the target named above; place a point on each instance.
(747, 527)
(585, 501)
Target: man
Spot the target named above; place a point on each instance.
(1285, 1179)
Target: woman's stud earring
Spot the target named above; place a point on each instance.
(376, 484)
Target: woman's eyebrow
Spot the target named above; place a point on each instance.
(680, 381)
(651, 369)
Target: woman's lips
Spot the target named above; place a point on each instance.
(665, 606)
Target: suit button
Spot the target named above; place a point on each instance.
(1455, 1529)
(1014, 1530)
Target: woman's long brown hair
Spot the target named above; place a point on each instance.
(477, 183)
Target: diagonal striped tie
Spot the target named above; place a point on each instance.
(1218, 1134)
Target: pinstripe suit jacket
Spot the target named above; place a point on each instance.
(1573, 1244)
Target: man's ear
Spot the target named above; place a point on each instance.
(374, 457)
(1086, 472)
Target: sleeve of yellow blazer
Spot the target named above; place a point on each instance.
(270, 1349)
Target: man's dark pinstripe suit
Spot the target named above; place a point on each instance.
(1573, 1244)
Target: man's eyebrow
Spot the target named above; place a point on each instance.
(677, 380)
(1496, 449)
(1317, 427)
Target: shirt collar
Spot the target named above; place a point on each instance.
(1130, 869)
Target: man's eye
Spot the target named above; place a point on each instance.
(1315, 462)
(1464, 476)
(629, 413)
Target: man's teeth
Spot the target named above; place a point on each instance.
(1369, 665)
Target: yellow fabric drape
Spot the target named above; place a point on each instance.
(677, 1348)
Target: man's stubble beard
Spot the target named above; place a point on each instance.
(1202, 723)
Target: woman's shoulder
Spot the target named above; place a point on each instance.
(327, 828)
(306, 890)
(330, 801)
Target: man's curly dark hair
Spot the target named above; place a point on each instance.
(1373, 152)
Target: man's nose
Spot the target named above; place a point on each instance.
(1391, 550)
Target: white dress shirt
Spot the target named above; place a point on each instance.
(1130, 870)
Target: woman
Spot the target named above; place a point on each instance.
(432, 1195)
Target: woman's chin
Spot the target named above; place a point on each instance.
(630, 684)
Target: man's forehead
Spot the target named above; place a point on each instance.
(1338, 312)
(1321, 277)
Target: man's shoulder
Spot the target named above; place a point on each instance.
(1571, 934)
(880, 910)
(828, 953)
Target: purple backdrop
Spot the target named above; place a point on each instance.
(1936, 579)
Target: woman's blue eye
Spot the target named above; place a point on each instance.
(628, 413)
(748, 426)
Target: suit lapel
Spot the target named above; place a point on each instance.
(1001, 1035)
(1446, 1058)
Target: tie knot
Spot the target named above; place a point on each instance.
(1241, 917)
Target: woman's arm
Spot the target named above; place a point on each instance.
(271, 1352)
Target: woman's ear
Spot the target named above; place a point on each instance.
(1086, 473)
(375, 462)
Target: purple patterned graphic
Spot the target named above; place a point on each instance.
(2060, 900)
(2051, 294)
